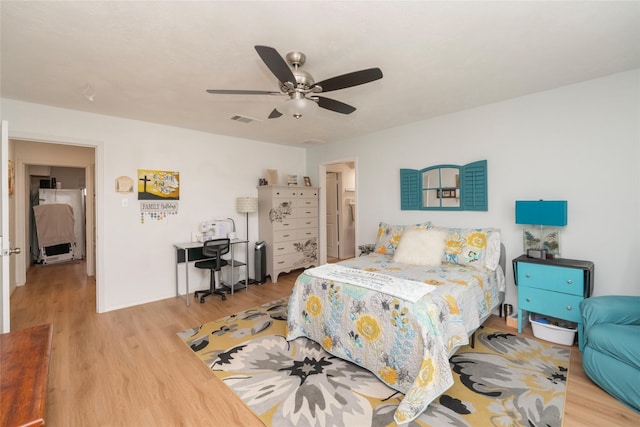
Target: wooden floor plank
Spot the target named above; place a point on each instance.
(128, 368)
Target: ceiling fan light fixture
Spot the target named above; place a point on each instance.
(301, 86)
(298, 106)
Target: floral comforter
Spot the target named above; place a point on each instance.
(406, 344)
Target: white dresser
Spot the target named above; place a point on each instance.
(289, 227)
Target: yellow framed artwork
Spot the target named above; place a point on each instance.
(158, 185)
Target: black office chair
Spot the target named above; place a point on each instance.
(213, 250)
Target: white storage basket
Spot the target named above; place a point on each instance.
(553, 333)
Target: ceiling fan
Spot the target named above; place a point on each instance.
(300, 85)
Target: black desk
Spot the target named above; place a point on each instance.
(192, 251)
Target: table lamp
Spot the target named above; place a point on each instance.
(541, 213)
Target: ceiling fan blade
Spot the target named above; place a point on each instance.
(333, 105)
(242, 92)
(275, 114)
(276, 64)
(351, 79)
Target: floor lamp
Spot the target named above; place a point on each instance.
(247, 205)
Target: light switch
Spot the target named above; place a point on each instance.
(125, 203)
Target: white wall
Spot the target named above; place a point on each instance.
(136, 262)
(579, 143)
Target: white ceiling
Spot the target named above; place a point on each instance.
(153, 61)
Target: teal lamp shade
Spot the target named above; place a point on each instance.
(541, 212)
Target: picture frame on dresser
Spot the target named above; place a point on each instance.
(272, 177)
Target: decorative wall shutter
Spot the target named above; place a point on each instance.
(410, 189)
(473, 186)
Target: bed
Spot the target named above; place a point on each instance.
(403, 317)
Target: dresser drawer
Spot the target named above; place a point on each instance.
(307, 223)
(285, 224)
(299, 258)
(562, 306)
(284, 235)
(305, 203)
(298, 245)
(552, 278)
(280, 210)
(289, 261)
(308, 212)
(294, 193)
(307, 193)
(308, 233)
(283, 262)
(286, 208)
(282, 248)
(288, 235)
(284, 193)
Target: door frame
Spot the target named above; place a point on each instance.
(5, 244)
(93, 182)
(338, 221)
(322, 180)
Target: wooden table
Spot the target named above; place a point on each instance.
(24, 368)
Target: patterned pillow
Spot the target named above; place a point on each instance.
(389, 236)
(478, 248)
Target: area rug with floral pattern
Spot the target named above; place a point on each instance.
(505, 380)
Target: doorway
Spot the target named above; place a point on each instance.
(340, 205)
(333, 216)
(34, 157)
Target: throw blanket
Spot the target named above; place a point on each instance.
(398, 287)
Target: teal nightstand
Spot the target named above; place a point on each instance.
(553, 287)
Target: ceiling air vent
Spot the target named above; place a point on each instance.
(242, 119)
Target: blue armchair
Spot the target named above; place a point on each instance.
(611, 353)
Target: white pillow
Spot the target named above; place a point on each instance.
(421, 247)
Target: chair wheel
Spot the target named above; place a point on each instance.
(201, 300)
(224, 297)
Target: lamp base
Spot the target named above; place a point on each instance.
(537, 253)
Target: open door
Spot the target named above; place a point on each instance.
(5, 241)
(5, 250)
(333, 216)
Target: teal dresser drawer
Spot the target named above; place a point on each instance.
(552, 278)
(555, 304)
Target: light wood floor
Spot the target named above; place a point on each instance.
(128, 367)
